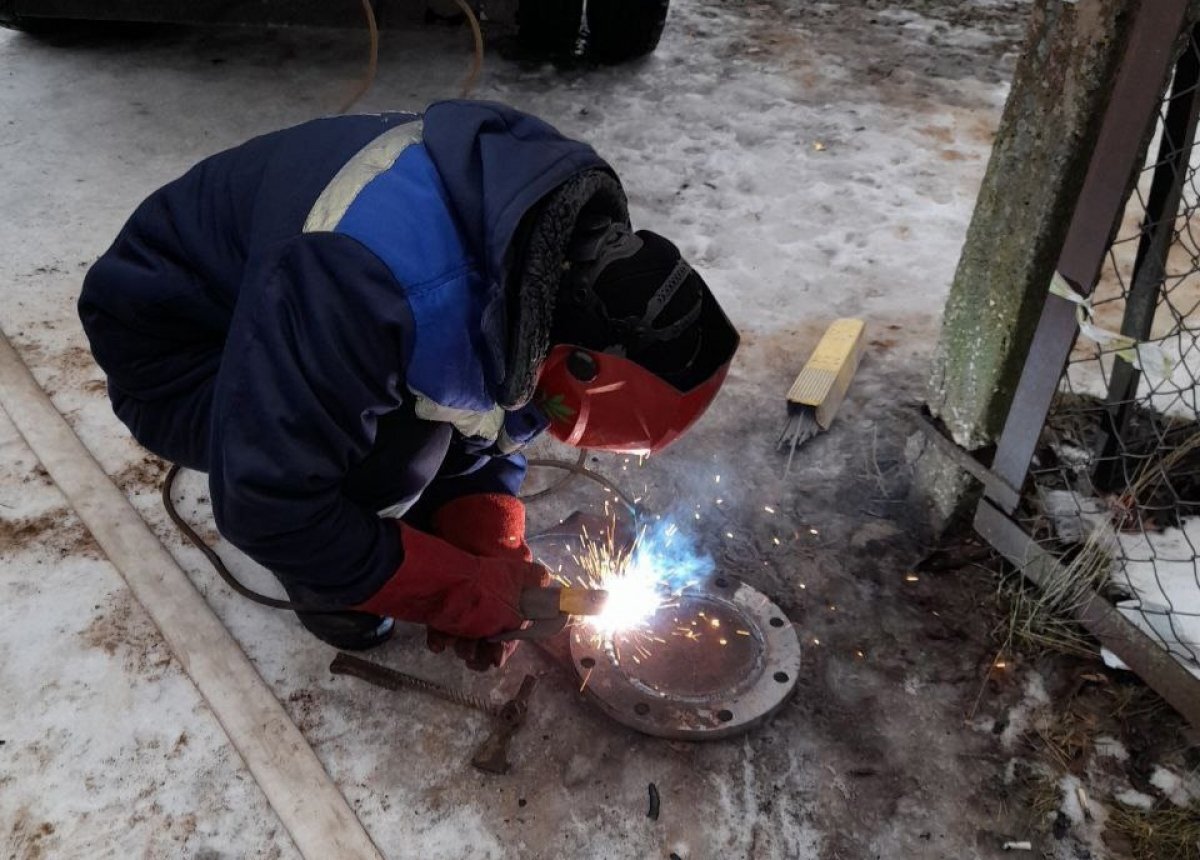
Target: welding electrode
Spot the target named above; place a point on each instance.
(551, 602)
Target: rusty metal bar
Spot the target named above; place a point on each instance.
(1135, 99)
(959, 456)
(1147, 658)
(390, 679)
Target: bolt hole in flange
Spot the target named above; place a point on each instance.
(713, 662)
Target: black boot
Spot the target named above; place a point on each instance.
(346, 631)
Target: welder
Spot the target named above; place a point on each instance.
(354, 325)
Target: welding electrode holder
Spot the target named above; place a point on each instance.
(549, 610)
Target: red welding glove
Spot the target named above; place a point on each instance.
(487, 524)
(490, 525)
(453, 591)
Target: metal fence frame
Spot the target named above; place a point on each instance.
(1133, 106)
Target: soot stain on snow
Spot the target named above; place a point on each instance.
(146, 473)
(70, 369)
(28, 838)
(306, 710)
(54, 531)
(959, 37)
(121, 628)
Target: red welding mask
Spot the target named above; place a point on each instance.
(641, 346)
(594, 400)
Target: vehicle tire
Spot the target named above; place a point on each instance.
(10, 20)
(620, 30)
(43, 28)
(548, 28)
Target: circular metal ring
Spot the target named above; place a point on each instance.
(712, 663)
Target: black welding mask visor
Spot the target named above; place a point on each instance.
(641, 346)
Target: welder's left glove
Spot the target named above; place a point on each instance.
(490, 525)
(487, 524)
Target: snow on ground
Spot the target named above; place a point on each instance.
(106, 745)
(815, 159)
(1180, 790)
(1020, 717)
(1160, 570)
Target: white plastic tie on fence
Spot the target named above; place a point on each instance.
(1146, 356)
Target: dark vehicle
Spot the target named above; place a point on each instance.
(606, 31)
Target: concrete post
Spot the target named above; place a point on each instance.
(1047, 132)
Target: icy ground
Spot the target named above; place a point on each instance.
(816, 160)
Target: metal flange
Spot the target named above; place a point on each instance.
(713, 663)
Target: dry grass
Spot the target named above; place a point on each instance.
(1043, 618)
(1154, 473)
(1067, 740)
(1040, 619)
(1168, 832)
(1135, 701)
(1045, 797)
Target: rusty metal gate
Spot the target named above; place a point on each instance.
(1096, 477)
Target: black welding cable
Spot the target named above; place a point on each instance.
(578, 468)
(209, 553)
(168, 486)
(556, 485)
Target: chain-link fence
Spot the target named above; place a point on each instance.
(1116, 475)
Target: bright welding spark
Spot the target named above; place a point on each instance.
(632, 599)
(768, 509)
(641, 581)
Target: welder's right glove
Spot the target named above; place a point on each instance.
(479, 654)
(490, 525)
(452, 591)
